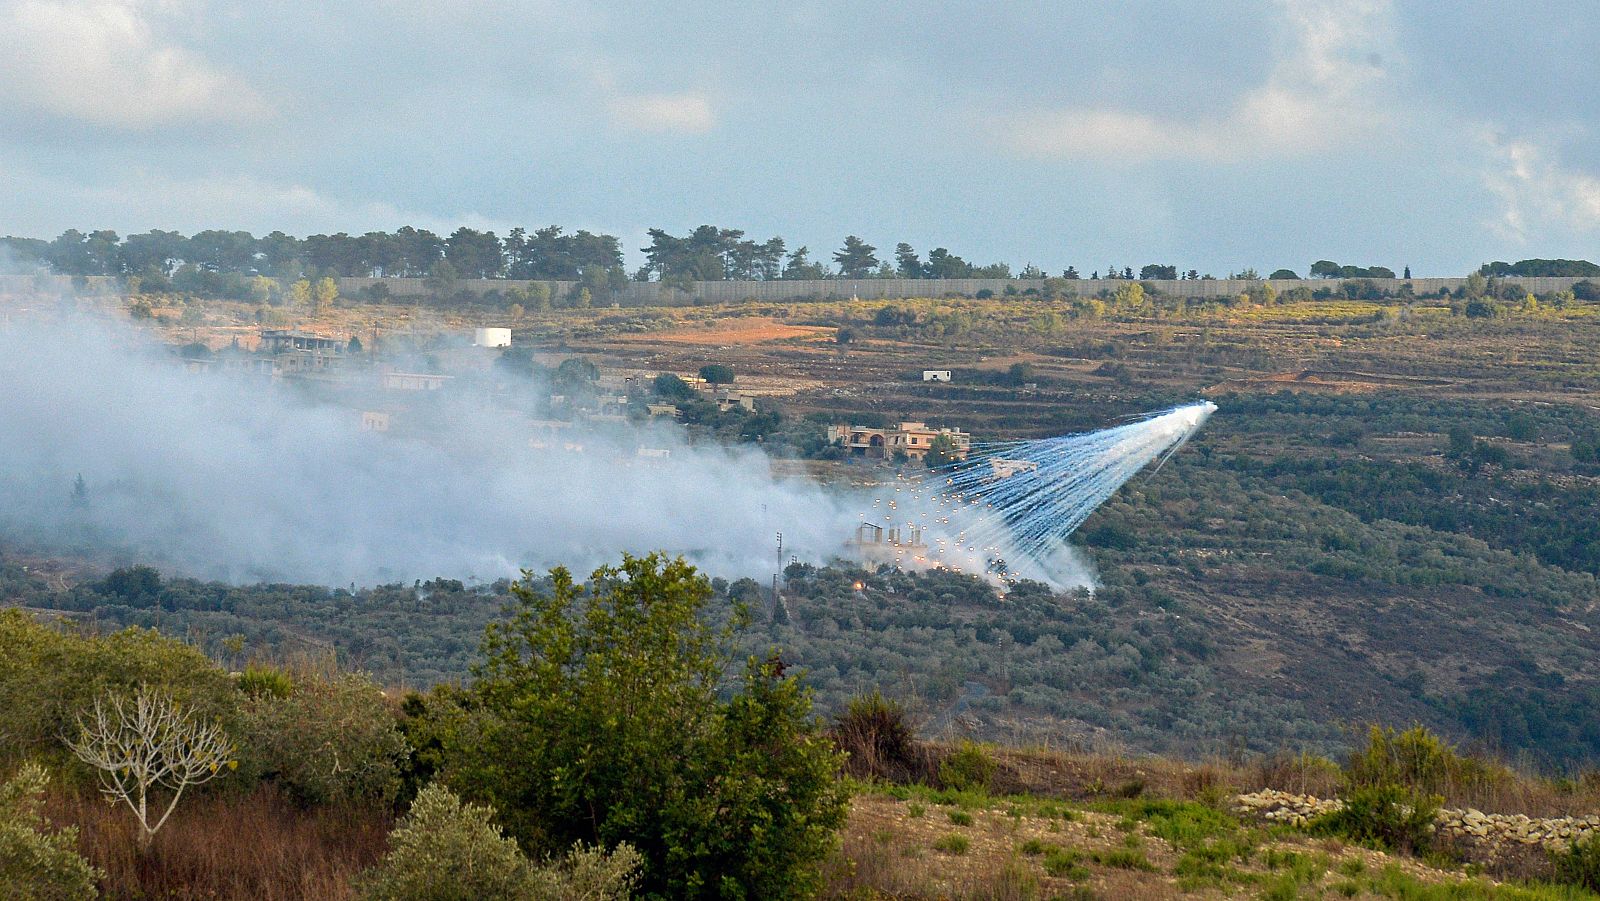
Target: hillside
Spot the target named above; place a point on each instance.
(1394, 515)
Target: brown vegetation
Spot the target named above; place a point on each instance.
(731, 332)
(258, 847)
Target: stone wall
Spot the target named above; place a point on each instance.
(633, 294)
(1468, 825)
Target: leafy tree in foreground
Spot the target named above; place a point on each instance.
(596, 718)
(36, 863)
(48, 676)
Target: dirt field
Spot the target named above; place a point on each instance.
(719, 333)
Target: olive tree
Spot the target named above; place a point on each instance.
(445, 850)
(145, 744)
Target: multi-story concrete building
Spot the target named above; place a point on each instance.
(911, 438)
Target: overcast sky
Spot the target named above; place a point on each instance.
(1432, 133)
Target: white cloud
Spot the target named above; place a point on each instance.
(107, 63)
(1536, 192)
(1324, 89)
(689, 112)
(138, 200)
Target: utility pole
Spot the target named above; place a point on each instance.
(775, 600)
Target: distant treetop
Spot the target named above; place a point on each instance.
(1542, 269)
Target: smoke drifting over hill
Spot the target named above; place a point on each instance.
(242, 477)
(249, 481)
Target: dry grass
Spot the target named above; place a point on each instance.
(258, 847)
(736, 331)
(886, 852)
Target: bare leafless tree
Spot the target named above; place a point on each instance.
(145, 744)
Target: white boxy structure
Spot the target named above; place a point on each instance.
(936, 375)
(491, 337)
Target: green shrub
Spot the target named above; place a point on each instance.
(1392, 817)
(590, 873)
(1133, 788)
(332, 739)
(952, 843)
(1420, 760)
(1188, 825)
(960, 818)
(36, 862)
(1124, 859)
(968, 768)
(1065, 863)
(876, 733)
(445, 850)
(597, 718)
(1580, 864)
(260, 680)
(48, 675)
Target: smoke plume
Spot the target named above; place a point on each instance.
(110, 443)
(251, 480)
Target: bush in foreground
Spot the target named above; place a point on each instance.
(449, 851)
(49, 675)
(876, 734)
(326, 739)
(597, 719)
(1391, 817)
(37, 863)
(1422, 761)
(1580, 864)
(968, 768)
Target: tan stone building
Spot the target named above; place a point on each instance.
(911, 438)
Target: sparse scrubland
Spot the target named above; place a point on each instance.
(608, 746)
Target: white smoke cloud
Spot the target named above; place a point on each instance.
(245, 479)
(197, 472)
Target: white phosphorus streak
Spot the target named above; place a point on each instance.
(1010, 506)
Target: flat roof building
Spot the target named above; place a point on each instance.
(279, 340)
(914, 439)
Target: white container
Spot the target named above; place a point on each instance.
(491, 337)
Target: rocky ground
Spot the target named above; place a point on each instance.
(922, 844)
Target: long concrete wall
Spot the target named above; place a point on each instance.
(653, 293)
